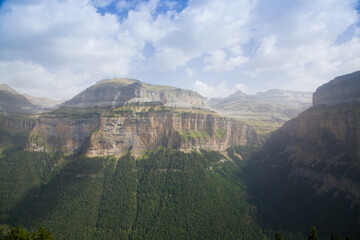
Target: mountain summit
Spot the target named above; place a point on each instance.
(117, 91)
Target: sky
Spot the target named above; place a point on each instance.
(57, 48)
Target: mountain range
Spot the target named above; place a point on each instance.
(128, 160)
(265, 111)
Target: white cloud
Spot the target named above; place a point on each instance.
(304, 43)
(66, 36)
(221, 90)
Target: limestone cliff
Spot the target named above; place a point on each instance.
(117, 91)
(344, 88)
(322, 145)
(185, 132)
(115, 133)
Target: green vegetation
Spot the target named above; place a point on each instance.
(115, 82)
(75, 113)
(137, 108)
(263, 127)
(165, 194)
(194, 135)
(220, 133)
(18, 233)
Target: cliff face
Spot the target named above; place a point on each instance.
(342, 89)
(114, 135)
(179, 131)
(116, 92)
(66, 134)
(322, 145)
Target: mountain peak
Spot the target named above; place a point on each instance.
(118, 91)
(6, 88)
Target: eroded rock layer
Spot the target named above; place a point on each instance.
(110, 134)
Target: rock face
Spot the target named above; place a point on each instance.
(115, 135)
(322, 145)
(342, 89)
(118, 115)
(117, 91)
(178, 131)
(70, 135)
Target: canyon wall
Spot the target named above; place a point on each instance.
(116, 134)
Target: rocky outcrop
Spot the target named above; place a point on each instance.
(66, 134)
(28, 124)
(185, 132)
(342, 89)
(322, 145)
(111, 134)
(117, 91)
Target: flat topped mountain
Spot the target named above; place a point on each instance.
(115, 92)
(344, 88)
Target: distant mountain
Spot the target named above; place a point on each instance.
(13, 102)
(265, 111)
(117, 91)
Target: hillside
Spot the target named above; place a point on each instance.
(265, 111)
(12, 102)
(166, 194)
(315, 159)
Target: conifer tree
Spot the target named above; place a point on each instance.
(278, 236)
(313, 234)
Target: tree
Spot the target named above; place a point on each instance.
(18, 233)
(313, 234)
(42, 234)
(278, 236)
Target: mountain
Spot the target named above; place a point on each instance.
(118, 115)
(117, 91)
(265, 111)
(314, 159)
(14, 102)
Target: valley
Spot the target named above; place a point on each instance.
(128, 160)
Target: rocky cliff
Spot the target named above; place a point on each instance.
(344, 88)
(117, 91)
(118, 115)
(115, 132)
(322, 145)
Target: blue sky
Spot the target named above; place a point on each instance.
(57, 48)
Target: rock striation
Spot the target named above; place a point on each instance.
(322, 144)
(110, 134)
(118, 115)
(118, 91)
(344, 88)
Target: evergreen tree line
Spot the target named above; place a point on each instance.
(18, 233)
(313, 236)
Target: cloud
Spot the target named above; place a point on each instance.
(300, 44)
(220, 90)
(66, 36)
